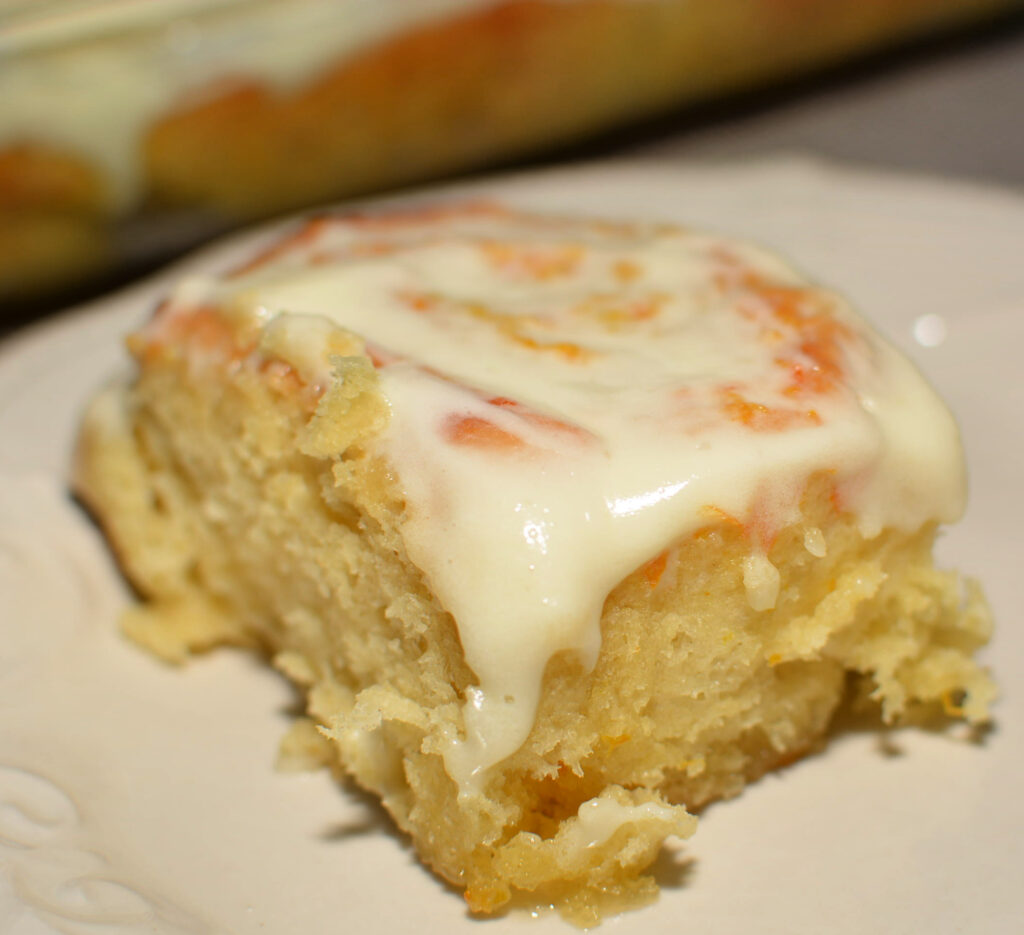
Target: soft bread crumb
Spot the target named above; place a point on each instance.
(245, 515)
(304, 748)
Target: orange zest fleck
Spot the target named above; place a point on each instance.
(517, 329)
(717, 513)
(537, 262)
(614, 311)
(418, 301)
(626, 270)
(800, 320)
(617, 741)
(757, 527)
(761, 418)
(201, 329)
(571, 352)
(644, 309)
(474, 432)
(306, 234)
(384, 221)
(655, 568)
(542, 420)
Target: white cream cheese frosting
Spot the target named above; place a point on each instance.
(569, 398)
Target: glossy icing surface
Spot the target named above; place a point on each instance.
(569, 398)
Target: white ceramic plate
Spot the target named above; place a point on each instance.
(138, 798)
